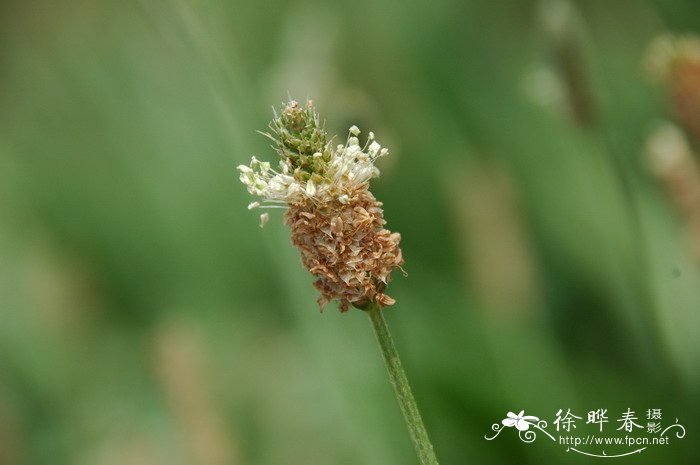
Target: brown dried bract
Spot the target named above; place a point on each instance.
(346, 246)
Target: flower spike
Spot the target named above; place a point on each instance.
(336, 222)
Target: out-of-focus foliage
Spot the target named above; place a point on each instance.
(146, 319)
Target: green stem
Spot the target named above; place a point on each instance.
(411, 415)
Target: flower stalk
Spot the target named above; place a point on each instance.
(397, 376)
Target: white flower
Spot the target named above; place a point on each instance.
(310, 188)
(350, 165)
(521, 422)
(264, 218)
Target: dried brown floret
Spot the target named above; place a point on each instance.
(345, 245)
(686, 95)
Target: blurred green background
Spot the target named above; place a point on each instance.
(146, 319)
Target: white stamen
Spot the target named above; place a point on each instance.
(349, 166)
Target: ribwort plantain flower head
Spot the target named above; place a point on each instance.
(675, 60)
(667, 52)
(336, 222)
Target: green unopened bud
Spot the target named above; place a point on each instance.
(294, 117)
(299, 137)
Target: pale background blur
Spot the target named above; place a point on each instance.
(146, 319)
